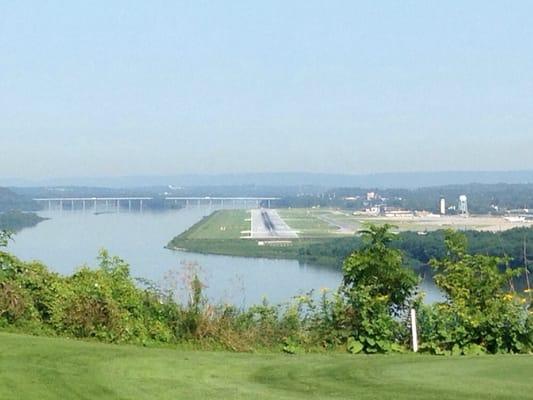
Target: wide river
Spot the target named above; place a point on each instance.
(70, 239)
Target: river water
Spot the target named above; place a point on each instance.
(69, 239)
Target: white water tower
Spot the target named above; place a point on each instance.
(463, 205)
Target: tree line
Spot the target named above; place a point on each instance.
(515, 244)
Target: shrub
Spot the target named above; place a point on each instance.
(479, 313)
(377, 289)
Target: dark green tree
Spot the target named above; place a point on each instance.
(377, 288)
(379, 268)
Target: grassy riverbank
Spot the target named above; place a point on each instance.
(46, 368)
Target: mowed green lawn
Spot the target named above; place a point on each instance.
(46, 368)
(222, 224)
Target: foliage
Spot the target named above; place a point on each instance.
(5, 237)
(379, 268)
(377, 288)
(479, 314)
(422, 249)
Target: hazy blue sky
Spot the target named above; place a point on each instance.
(152, 87)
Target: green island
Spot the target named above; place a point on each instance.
(53, 368)
(328, 236)
(222, 233)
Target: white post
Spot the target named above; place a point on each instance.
(413, 330)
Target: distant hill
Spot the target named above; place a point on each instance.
(9, 200)
(407, 180)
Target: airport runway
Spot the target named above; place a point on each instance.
(267, 224)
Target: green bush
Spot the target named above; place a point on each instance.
(481, 310)
(377, 289)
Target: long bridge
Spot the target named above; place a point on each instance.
(84, 202)
(234, 201)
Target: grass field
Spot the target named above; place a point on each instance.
(221, 232)
(45, 368)
(222, 224)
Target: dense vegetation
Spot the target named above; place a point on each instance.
(481, 313)
(16, 220)
(421, 249)
(55, 368)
